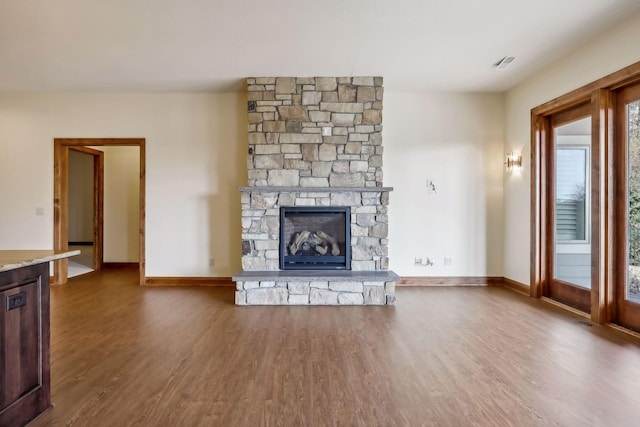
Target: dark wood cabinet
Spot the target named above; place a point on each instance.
(24, 344)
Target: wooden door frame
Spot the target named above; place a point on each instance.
(544, 125)
(61, 197)
(562, 290)
(98, 203)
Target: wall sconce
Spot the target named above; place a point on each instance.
(514, 161)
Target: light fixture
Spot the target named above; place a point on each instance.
(514, 161)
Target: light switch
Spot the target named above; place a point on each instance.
(326, 131)
(39, 211)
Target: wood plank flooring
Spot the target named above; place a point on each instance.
(125, 355)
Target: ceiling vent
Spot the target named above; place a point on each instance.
(504, 63)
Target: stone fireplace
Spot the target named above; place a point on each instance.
(314, 156)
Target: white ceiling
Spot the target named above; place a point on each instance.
(211, 45)
(577, 127)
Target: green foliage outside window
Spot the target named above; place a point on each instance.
(634, 183)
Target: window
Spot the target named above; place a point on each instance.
(572, 215)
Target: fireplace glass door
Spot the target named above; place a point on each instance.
(315, 238)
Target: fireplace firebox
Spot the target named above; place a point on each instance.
(315, 238)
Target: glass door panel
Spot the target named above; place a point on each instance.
(632, 288)
(572, 243)
(627, 208)
(569, 201)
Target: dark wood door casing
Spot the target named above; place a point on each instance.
(61, 195)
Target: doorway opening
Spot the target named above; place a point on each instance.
(62, 147)
(86, 209)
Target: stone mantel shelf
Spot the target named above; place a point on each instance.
(313, 189)
(320, 275)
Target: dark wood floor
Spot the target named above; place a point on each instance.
(124, 355)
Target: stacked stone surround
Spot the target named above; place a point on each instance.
(314, 141)
(286, 144)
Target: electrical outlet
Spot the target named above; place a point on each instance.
(326, 131)
(425, 262)
(211, 262)
(431, 187)
(447, 261)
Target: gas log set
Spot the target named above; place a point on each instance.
(319, 242)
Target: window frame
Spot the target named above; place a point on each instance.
(587, 200)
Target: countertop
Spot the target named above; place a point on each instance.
(10, 260)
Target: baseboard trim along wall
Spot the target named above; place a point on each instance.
(188, 281)
(516, 286)
(404, 281)
(450, 281)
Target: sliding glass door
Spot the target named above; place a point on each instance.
(585, 204)
(627, 210)
(569, 201)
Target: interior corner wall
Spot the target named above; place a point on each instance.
(603, 55)
(195, 162)
(454, 140)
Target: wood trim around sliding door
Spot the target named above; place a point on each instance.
(542, 190)
(602, 130)
(61, 196)
(540, 128)
(563, 291)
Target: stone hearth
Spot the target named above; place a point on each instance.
(315, 141)
(316, 287)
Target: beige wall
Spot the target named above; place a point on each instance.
(455, 140)
(80, 197)
(121, 203)
(604, 55)
(196, 151)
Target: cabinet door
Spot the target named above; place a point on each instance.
(20, 339)
(24, 344)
